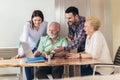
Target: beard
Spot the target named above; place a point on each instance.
(52, 36)
(70, 22)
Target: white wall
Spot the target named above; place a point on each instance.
(13, 15)
(115, 24)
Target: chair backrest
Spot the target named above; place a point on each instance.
(117, 57)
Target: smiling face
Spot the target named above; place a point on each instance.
(71, 18)
(53, 30)
(88, 28)
(91, 25)
(37, 21)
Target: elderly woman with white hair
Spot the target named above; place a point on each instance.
(95, 47)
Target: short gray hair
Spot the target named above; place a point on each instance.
(56, 23)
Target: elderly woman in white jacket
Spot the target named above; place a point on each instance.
(95, 47)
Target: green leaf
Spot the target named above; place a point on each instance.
(49, 52)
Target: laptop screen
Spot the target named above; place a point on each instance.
(27, 50)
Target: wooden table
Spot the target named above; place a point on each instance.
(54, 62)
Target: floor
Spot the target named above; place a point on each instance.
(9, 71)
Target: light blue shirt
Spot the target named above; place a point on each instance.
(32, 36)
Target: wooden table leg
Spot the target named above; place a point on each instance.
(34, 73)
(21, 73)
(67, 70)
(77, 70)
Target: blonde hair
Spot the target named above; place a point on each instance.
(94, 21)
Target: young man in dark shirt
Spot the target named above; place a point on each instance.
(76, 33)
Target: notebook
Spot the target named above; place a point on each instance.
(29, 54)
(35, 59)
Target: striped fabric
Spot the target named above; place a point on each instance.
(117, 57)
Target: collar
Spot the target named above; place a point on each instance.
(57, 39)
(81, 19)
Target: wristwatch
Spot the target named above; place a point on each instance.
(80, 56)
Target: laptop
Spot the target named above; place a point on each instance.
(27, 50)
(29, 54)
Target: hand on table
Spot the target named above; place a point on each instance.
(68, 39)
(58, 49)
(17, 56)
(37, 53)
(72, 55)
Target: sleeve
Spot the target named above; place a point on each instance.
(97, 46)
(20, 50)
(78, 41)
(41, 45)
(65, 43)
(25, 33)
(71, 33)
(23, 38)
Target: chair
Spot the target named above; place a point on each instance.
(116, 62)
(96, 77)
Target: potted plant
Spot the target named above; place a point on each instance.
(49, 54)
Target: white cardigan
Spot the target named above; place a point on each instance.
(96, 46)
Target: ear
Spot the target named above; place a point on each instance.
(92, 28)
(76, 16)
(58, 31)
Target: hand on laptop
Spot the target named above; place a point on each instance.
(37, 53)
